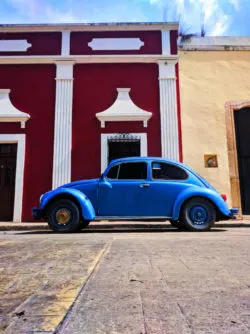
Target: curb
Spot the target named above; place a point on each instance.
(105, 227)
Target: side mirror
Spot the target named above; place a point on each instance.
(102, 177)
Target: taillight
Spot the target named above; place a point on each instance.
(224, 196)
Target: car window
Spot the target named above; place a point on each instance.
(112, 173)
(164, 171)
(133, 171)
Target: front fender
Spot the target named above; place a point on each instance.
(211, 195)
(87, 209)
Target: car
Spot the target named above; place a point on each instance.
(136, 188)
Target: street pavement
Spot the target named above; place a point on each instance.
(152, 282)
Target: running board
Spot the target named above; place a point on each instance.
(98, 218)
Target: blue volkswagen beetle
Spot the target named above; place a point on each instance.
(136, 188)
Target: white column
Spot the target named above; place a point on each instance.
(165, 42)
(168, 110)
(63, 124)
(65, 47)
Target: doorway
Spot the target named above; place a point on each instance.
(123, 147)
(119, 145)
(242, 126)
(8, 159)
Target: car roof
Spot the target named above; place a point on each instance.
(144, 159)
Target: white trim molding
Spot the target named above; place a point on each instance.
(104, 146)
(63, 124)
(86, 59)
(8, 113)
(14, 45)
(168, 110)
(123, 110)
(18, 139)
(116, 44)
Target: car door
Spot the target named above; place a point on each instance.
(123, 190)
(167, 181)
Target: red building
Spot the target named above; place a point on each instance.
(74, 97)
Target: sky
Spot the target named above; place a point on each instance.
(219, 17)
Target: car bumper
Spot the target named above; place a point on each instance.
(37, 213)
(233, 213)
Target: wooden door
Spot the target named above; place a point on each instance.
(242, 131)
(8, 153)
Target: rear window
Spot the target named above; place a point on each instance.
(165, 171)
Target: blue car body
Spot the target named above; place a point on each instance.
(136, 198)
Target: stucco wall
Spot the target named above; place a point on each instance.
(208, 79)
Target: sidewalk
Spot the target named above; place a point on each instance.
(112, 225)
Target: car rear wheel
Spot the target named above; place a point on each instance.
(198, 214)
(63, 216)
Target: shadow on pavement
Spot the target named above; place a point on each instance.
(122, 230)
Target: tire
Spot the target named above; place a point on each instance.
(63, 216)
(198, 214)
(177, 224)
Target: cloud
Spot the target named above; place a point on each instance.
(221, 26)
(31, 7)
(218, 17)
(236, 4)
(72, 11)
(214, 16)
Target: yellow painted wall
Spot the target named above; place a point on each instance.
(208, 79)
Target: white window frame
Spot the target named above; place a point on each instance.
(104, 146)
(18, 139)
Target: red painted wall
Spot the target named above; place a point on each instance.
(33, 91)
(94, 91)
(43, 43)
(173, 42)
(151, 39)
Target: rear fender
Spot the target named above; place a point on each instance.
(211, 195)
(87, 210)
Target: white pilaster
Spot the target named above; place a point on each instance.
(168, 110)
(165, 42)
(63, 124)
(65, 49)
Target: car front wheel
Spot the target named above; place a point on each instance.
(63, 216)
(198, 214)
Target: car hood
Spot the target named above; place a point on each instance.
(75, 184)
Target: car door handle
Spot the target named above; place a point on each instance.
(144, 185)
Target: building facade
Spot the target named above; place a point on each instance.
(215, 104)
(74, 97)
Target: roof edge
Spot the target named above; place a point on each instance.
(214, 43)
(113, 26)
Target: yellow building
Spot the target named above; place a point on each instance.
(215, 113)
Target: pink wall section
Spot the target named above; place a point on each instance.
(33, 91)
(94, 91)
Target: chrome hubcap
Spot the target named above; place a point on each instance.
(63, 216)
